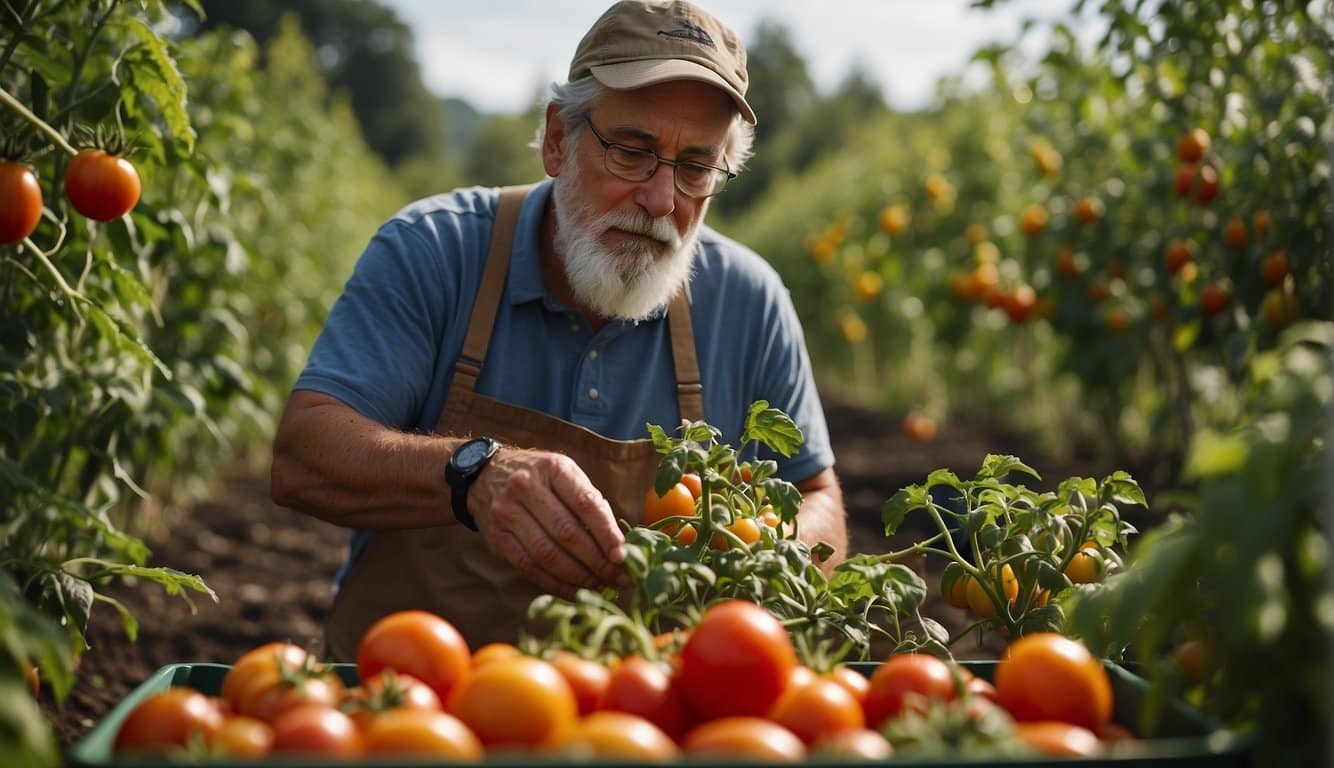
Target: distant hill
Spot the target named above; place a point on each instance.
(461, 123)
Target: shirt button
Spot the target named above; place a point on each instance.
(593, 393)
(592, 354)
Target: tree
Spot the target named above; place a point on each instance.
(365, 50)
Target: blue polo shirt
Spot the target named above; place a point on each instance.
(390, 342)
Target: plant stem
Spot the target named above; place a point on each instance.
(37, 122)
(75, 298)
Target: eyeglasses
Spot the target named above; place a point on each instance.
(633, 164)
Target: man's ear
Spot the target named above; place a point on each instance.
(553, 143)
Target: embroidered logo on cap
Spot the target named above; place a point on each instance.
(692, 33)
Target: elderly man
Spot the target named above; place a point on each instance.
(476, 405)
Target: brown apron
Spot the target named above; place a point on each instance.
(448, 569)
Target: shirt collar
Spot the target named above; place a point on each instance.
(525, 273)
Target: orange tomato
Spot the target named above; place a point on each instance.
(619, 736)
(1118, 321)
(271, 660)
(862, 744)
(1047, 676)
(956, 591)
(744, 738)
(416, 643)
(422, 733)
(1059, 739)
(241, 736)
(493, 651)
(1019, 303)
(1184, 180)
(744, 527)
(905, 677)
(587, 678)
(817, 709)
(520, 701)
(166, 721)
(978, 600)
(1088, 210)
(1177, 254)
(1234, 233)
(1190, 656)
(1261, 223)
(894, 218)
(384, 691)
(857, 684)
(1085, 566)
(1033, 220)
(1066, 265)
(693, 483)
(678, 501)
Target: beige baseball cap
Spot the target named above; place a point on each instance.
(641, 42)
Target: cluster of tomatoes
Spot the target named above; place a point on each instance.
(730, 687)
(99, 185)
(671, 512)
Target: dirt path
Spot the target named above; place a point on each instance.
(272, 567)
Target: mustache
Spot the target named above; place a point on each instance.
(659, 229)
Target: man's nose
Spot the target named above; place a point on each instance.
(657, 195)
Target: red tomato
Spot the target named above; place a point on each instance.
(317, 731)
(422, 733)
(857, 684)
(20, 201)
(385, 692)
(587, 678)
(520, 701)
(747, 738)
(419, 644)
(862, 744)
(101, 186)
(737, 661)
(1059, 739)
(166, 721)
(1047, 676)
(619, 736)
(241, 736)
(646, 688)
(817, 709)
(262, 660)
(903, 676)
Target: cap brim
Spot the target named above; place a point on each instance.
(637, 74)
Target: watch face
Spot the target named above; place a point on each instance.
(471, 453)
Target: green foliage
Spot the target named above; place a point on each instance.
(988, 526)
(137, 355)
(830, 616)
(1243, 569)
(1075, 327)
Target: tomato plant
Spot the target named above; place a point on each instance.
(20, 202)
(100, 185)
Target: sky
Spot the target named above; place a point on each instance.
(499, 55)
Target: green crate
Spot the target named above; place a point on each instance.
(1186, 738)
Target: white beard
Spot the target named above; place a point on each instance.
(631, 280)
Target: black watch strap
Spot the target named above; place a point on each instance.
(459, 501)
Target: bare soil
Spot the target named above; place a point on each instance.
(272, 567)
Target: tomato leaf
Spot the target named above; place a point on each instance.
(773, 428)
(996, 466)
(900, 504)
(152, 72)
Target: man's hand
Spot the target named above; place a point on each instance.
(540, 513)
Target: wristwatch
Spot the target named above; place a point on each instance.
(465, 465)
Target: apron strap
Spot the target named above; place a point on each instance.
(689, 386)
(469, 365)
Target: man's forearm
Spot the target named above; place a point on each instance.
(822, 517)
(334, 464)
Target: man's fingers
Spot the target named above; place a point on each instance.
(524, 523)
(592, 511)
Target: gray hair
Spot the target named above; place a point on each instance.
(575, 99)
